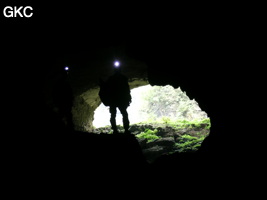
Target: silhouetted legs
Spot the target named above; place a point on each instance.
(125, 119)
(113, 112)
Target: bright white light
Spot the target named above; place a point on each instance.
(116, 63)
(66, 68)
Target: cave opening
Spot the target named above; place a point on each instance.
(165, 122)
(154, 104)
(163, 119)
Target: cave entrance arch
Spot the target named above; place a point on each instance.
(155, 139)
(163, 119)
(83, 78)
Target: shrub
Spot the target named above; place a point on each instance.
(149, 134)
(188, 143)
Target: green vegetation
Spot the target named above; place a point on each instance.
(205, 123)
(167, 103)
(150, 135)
(179, 124)
(188, 143)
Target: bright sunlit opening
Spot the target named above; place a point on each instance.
(158, 114)
(153, 104)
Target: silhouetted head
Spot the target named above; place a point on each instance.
(117, 70)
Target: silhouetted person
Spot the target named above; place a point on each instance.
(115, 93)
(63, 99)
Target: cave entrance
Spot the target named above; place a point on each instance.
(154, 104)
(163, 119)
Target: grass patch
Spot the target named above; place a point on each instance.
(179, 124)
(188, 143)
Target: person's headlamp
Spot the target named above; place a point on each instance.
(116, 64)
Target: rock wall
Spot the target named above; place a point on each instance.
(83, 110)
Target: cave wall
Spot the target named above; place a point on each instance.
(83, 109)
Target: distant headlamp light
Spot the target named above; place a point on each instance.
(66, 68)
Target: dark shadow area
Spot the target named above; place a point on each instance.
(110, 162)
(59, 155)
(62, 98)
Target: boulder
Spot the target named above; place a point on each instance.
(142, 142)
(152, 153)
